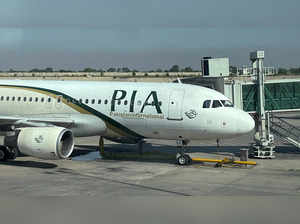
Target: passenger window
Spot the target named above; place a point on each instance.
(159, 103)
(2, 98)
(19, 98)
(86, 101)
(7, 98)
(36, 99)
(93, 101)
(25, 99)
(99, 101)
(216, 103)
(206, 104)
(80, 100)
(105, 101)
(125, 102)
(226, 103)
(30, 99)
(42, 99)
(58, 100)
(119, 102)
(13, 98)
(49, 100)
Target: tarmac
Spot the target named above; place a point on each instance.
(88, 188)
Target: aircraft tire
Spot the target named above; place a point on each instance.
(189, 159)
(182, 160)
(3, 154)
(13, 154)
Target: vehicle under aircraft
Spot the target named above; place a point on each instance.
(41, 118)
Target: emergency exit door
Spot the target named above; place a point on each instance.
(175, 105)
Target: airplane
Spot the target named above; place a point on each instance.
(40, 118)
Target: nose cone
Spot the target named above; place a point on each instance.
(245, 123)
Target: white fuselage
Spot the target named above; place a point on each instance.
(131, 110)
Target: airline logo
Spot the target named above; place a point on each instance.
(191, 114)
(150, 101)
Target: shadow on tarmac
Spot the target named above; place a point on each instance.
(30, 164)
(166, 153)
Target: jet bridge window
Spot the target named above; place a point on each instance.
(227, 103)
(216, 103)
(206, 104)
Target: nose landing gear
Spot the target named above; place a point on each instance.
(182, 158)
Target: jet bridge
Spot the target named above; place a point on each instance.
(261, 95)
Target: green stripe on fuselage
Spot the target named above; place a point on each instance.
(83, 108)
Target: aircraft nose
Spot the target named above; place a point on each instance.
(245, 123)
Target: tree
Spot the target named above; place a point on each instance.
(174, 68)
(89, 70)
(111, 70)
(295, 71)
(125, 69)
(187, 69)
(233, 69)
(49, 69)
(282, 71)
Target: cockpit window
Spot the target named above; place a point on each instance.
(206, 104)
(227, 103)
(216, 103)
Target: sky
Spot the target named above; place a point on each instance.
(146, 34)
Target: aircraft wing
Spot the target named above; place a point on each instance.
(8, 123)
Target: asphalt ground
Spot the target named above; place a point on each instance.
(132, 189)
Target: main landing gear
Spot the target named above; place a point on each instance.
(7, 153)
(182, 158)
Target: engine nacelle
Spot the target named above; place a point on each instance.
(46, 142)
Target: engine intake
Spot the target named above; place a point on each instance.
(46, 142)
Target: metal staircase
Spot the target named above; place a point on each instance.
(285, 131)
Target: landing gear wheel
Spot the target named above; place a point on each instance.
(2, 155)
(188, 159)
(182, 160)
(13, 154)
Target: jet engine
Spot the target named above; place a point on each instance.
(43, 142)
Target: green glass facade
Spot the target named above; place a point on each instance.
(279, 96)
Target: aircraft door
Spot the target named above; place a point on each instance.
(175, 104)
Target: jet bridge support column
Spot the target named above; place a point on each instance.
(263, 146)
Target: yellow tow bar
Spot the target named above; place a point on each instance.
(220, 162)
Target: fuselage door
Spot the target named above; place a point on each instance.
(175, 104)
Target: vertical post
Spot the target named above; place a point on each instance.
(244, 153)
